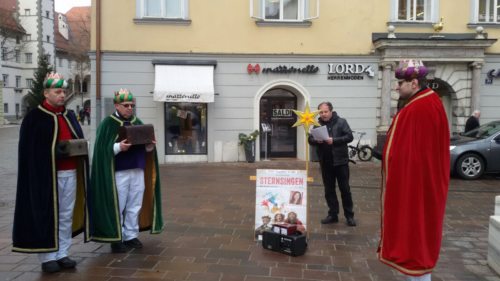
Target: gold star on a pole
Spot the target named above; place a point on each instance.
(306, 118)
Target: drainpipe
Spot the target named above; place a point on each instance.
(98, 108)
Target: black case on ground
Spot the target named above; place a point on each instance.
(293, 245)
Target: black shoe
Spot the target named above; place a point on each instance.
(330, 219)
(51, 267)
(66, 263)
(133, 243)
(351, 222)
(118, 247)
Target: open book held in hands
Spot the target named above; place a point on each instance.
(320, 133)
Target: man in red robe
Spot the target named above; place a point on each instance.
(415, 177)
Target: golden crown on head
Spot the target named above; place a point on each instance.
(123, 95)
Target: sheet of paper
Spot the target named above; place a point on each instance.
(320, 133)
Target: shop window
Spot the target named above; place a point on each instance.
(486, 11)
(185, 128)
(284, 10)
(169, 9)
(414, 10)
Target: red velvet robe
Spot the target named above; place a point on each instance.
(415, 177)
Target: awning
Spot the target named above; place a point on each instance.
(184, 83)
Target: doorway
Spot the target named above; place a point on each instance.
(276, 113)
(445, 92)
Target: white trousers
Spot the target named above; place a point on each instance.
(130, 187)
(425, 277)
(66, 183)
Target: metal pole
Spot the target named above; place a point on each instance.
(265, 147)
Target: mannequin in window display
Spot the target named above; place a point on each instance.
(186, 134)
(203, 124)
(174, 129)
(195, 128)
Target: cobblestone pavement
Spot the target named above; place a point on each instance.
(209, 213)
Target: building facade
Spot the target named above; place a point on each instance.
(202, 75)
(31, 28)
(72, 36)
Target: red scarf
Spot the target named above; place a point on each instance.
(63, 134)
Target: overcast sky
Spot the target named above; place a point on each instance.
(62, 6)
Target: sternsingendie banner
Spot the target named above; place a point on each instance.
(281, 197)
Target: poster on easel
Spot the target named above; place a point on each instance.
(281, 197)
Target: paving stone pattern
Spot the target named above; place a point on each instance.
(209, 216)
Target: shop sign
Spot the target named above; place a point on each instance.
(282, 113)
(349, 71)
(284, 69)
(433, 85)
(253, 68)
(493, 73)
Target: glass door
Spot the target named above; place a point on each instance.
(276, 112)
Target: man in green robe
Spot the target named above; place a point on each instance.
(125, 182)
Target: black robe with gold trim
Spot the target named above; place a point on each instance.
(36, 213)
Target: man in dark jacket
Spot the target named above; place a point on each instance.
(473, 121)
(334, 162)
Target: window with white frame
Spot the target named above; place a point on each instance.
(5, 78)
(29, 83)
(415, 10)
(4, 53)
(486, 11)
(18, 82)
(169, 9)
(29, 57)
(18, 56)
(284, 10)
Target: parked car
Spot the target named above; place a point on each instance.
(476, 152)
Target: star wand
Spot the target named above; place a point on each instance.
(306, 118)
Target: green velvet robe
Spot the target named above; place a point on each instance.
(103, 198)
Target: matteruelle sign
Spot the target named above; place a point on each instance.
(281, 197)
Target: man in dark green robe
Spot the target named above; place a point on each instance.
(125, 193)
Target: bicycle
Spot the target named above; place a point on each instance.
(364, 152)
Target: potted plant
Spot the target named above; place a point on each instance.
(248, 142)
